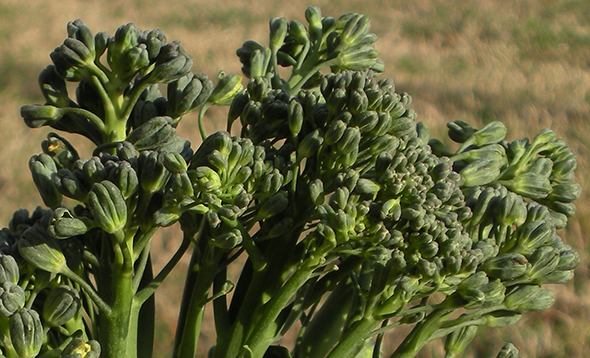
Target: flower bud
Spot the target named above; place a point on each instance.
(508, 351)
(226, 89)
(152, 134)
(310, 145)
(278, 32)
(228, 240)
(273, 205)
(53, 88)
(9, 271)
(502, 318)
(41, 251)
(481, 172)
(527, 298)
(26, 333)
(64, 225)
(107, 205)
(506, 266)
(36, 116)
(12, 298)
(60, 306)
(171, 63)
(530, 185)
(152, 173)
(77, 348)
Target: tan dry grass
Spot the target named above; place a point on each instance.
(522, 62)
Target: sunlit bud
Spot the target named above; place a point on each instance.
(349, 140)
(9, 271)
(502, 318)
(125, 38)
(336, 100)
(367, 186)
(391, 209)
(506, 266)
(78, 348)
(513, 209)
(544, 260)
(26, 333)
(533, 235)
(228, 240)
(152, 134)
(316, 191)
(358, 102)
(531, 185)
(60, 306)
(101, 40)
(402, 126)
(527, 298)
(459, 339)
(107, 205)
(187, 93)
(555, 277)
(545, 136)
(313, 15)
(278, 31)
(481, 172)
(226, 89)
(12, 298)
(494, 132)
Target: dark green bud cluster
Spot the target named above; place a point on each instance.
(541, 170)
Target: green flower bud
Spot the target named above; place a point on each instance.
(568, 260)
(533, 235)
(273, 205)
(226, 89)
(101, 40)
(237, 107)
(26, 333)
(36, 116)
(310, 145)
(556, 277)
(494, 132)
(125, 178)
(187, 93)
(542, 166)
(107, 205)
(481, 172)
(367, 186)
(460, 131)
(68, 184)
(126, 37)
(506, 266)
(313, 15)
(459, 339)
(77, 348)
(9, 271)
(565, 192)
(152, 173)
(502, 318)
(152, 134)
(171, 63)
(508, 351)
(41, 251)
(527, 298)
(349, 141)
(530, 185)
(278, 32)
(54, 90)
(544, 260)
(62, 304)
(316, 191)
(12, 298)
(228, 240)
(64, 225)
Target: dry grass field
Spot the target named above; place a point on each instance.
(524, 62)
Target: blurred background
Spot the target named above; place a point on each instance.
(523, 62)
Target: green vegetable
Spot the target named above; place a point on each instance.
(330, 200)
